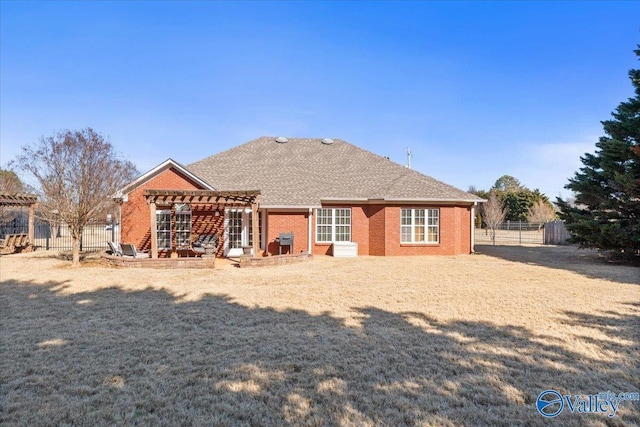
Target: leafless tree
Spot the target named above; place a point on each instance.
(78, 173)
(540, 212)
(9, 184)
(494, 213)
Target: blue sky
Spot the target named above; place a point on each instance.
(475, 89)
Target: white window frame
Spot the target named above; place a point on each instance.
(431, 222)
(163, 231)
(332, 224)
(183, 225)
(245, 230)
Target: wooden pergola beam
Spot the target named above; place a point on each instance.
(21, 200)
(201, 196)
(18, 199)
(233, 199)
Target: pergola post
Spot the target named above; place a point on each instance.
(255, 229)
(32, 224)
(154, 229)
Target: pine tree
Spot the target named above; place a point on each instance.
(606, 212)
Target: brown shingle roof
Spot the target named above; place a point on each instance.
(304, 171)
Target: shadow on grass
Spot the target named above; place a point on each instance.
(113, 357)
(582, 261)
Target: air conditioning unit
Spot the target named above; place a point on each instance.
(345, 249)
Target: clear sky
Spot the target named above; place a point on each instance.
(475, 89)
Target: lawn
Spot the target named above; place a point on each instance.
(465, 340)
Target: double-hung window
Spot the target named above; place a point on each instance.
(178, 226)
(183, 225)
(420, 226)
(163, 225)
(333, 225)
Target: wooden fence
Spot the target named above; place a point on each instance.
(555, 233)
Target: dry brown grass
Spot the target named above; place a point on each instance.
(466, 340)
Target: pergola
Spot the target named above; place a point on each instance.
(21, 200)
(246, 199)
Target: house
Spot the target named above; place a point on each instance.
(324, 191)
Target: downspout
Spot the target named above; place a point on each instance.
(310, 233)
(473, 227)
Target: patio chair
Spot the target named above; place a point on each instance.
(115, 248)
(129, 250)
(204, 242)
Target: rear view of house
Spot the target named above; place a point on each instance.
(329, 194)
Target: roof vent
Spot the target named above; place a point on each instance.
(281, 139)
(327, 141)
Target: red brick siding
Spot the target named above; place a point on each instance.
(135, 221)
(376, 229)
(284, 222)
(454, 233)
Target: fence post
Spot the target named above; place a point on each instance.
(81, 242)
(520, 232)
(113, 232)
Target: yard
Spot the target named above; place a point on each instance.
(466, 340)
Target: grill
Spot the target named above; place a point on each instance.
(286, 239)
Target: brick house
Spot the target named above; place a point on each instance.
(324, 191)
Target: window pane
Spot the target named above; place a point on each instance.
(163, 227)
(434, 225)
(419, 217)
(405, 217)
(235, 229)
(183, 225)
(324, 233)
(343, 233)
(419, 234)
(405, 234)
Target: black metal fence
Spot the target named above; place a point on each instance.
(56, 236)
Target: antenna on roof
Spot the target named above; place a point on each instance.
(409, 157)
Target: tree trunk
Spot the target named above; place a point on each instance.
(75, 251)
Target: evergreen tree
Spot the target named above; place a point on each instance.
(606, 212)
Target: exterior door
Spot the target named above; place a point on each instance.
(236, 231)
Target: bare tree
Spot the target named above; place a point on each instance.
(9, 184)
(78, 172)
(540, 212)
(494, 213)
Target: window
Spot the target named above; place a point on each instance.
(163, 220)
(333, 225)
(235, 229)
(251, 229)
(419, 226)
(183, 225)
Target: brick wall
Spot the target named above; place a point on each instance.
(455, 232)
(135, 221)
(376, 229)
(284, 222)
